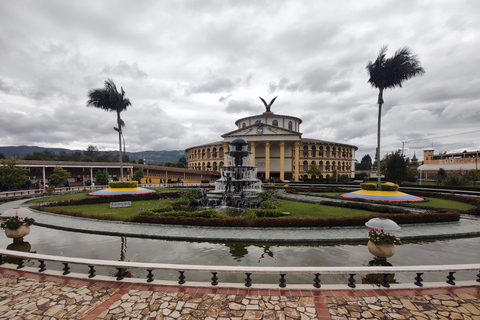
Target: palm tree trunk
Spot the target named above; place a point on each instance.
(120, 157)
(380, 103)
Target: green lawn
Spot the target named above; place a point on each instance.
(103, 211)
(310, 210)
(443, 204)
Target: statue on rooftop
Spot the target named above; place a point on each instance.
(268, 106)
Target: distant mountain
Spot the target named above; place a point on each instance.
(149, 156)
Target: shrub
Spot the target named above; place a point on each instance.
(389, 187)
(268, 213)
(163, 208)
(455, 181)
(474, 211)
(249, 214)
(193, 194)
(148, 213)
(123, 184)
(368, 186)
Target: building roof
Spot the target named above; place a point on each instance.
(448, 166)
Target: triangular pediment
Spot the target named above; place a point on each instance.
(259, 130)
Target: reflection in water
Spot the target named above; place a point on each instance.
(376, 278)
(238, 250)
(92, 246)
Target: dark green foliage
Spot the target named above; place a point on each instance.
(59, 175)
(193, 194)
(138, 175)
(389, 187)
(430, 217)
(123, 184)
(101, 177)
(396, 167)
(364, 206)
(12, 176)
(368, 186)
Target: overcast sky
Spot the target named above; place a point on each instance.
(191, 68)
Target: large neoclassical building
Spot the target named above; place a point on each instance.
(278, 148)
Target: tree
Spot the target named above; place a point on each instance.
(2, 156)
(441, 175)
(365, 164)
(396, 167)
(59, 175)
(12, 176)
(101, 177)
(138, 175)
(183, 160)
(473, 175)
(388, 73)
(110, 99)
(314, 170)
(91, 153)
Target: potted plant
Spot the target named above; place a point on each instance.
(17, 227)
(382, 244)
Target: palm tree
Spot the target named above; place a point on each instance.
(110, 99)
(388, 73)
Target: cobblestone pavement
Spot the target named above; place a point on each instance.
(25, 295)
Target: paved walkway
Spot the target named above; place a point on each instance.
(467, 226)
(25, 295)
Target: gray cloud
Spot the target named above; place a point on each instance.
(191, 68)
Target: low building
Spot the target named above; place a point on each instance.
(458, 162)
(279, 150)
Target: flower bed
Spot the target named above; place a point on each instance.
(14, 223)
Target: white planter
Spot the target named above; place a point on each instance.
(18, 234)
(382, 251)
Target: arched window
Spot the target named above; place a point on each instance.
(203, 166)
(305, 151)
(320, 152)
(290, 125)
(221, 164)
(320, 165)
(334, 152)
(275, 123)
(327, 166)
(314, 151)
(305, 166)
(244, 125)
(215, 168)
(327, 153)
(221, 152)
(208, 153)
(214, 152)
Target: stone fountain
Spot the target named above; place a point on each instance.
(238, 183)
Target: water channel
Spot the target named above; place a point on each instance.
(82, 245)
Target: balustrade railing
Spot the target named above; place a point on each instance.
(250, 272)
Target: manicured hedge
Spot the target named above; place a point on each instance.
(116, 198)
(123, 184)
(368, 186)
(364, 206)
(389, 187)
(447, 196)
(429, 217)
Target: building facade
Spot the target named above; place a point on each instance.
(279, 150)
(458, 162)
